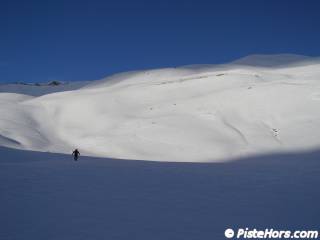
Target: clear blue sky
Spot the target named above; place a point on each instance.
(86, 40)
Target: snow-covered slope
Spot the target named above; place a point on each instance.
(191, 113)
(49, 196)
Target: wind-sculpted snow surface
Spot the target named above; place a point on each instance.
(204, 113)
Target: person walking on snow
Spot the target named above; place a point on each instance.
(76, 154)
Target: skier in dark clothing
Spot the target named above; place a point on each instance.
(76, 154)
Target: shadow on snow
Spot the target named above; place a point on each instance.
(49, 196)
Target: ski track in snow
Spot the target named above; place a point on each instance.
(236, 130)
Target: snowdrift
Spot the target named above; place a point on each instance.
(202, 113)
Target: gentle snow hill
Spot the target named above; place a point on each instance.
(258, 104)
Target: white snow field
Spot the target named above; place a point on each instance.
(230, 146)
(205, 113)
